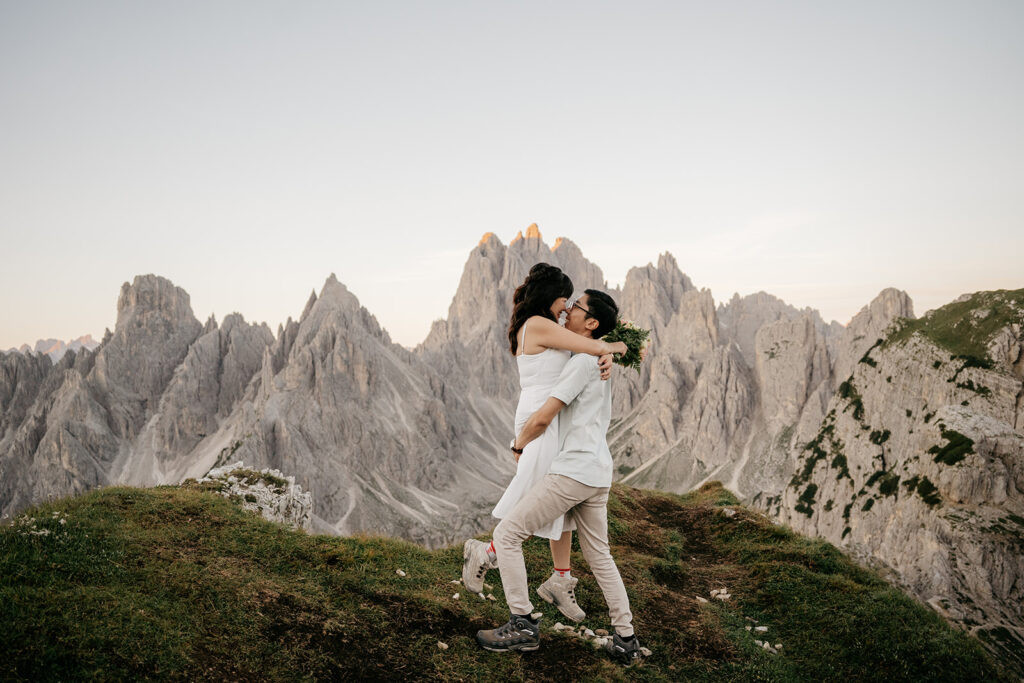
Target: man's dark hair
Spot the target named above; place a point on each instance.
(603, 309)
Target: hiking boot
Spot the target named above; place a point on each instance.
(622, 651)
(558, 590)
(519, 633)
(475, 563)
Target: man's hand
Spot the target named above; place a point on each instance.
(538, 422)
(604, 364)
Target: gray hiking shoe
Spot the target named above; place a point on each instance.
(559, 591)
(519, 633)
(622, 651)
(475, 563)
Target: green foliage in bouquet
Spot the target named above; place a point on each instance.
(635, 339)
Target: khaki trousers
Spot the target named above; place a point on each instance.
(555, 495)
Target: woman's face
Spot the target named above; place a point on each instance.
(558, 306)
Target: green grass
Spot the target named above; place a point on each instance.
(180, 583)
(955, 327)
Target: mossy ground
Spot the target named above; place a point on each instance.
(180, 583)
(964, 328)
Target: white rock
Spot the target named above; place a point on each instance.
(456, 582)
(490, 596)
(482, 596)
(400, 572)
(455, 597)
(645, 652)
(443, 646)
(762, 629)
(536, 615)
(702, 600)
(778, 646)
(728, 512)
(723, 596)
(487, 586)
(747, 627)
(588, 633)
(287, 503)
(598, 643)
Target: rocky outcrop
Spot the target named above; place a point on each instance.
(269, 493)
(918, 465)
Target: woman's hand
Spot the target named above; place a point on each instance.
(604, 364)
(620, 348)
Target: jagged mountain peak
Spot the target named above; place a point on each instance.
(532, 233)
(338, 309)
(149, 294)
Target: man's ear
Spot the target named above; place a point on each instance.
(591, 324)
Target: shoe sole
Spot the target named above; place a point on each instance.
(514, 648)
(466, 552)
(550, 599)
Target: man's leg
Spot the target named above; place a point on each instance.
(554, 495)
(592, 529)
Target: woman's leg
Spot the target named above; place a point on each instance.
(561, 549)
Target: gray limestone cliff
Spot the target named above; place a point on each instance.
(918, 465)
(370, 430)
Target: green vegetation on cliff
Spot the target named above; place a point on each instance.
(964, 328)
(180, 583)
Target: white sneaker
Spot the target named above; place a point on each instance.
(558, 590)
(475, 563)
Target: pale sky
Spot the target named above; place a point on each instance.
(246, 150)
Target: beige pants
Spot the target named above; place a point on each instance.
(555, 495)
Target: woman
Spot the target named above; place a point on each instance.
(541, 347)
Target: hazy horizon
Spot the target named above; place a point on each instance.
(246, 150)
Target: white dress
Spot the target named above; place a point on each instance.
(538, 373)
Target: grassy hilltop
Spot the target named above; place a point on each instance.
(180, 583)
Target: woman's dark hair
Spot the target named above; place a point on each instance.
(542, 286)
(604, 310)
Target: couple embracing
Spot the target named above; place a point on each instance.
(564, 467)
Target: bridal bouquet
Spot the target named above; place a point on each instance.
(635, 339)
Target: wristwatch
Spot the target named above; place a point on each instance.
(517, 451)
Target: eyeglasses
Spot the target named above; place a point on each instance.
(576, 304)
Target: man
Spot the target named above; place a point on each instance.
(577, 482)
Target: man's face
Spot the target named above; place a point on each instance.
(577, 320)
